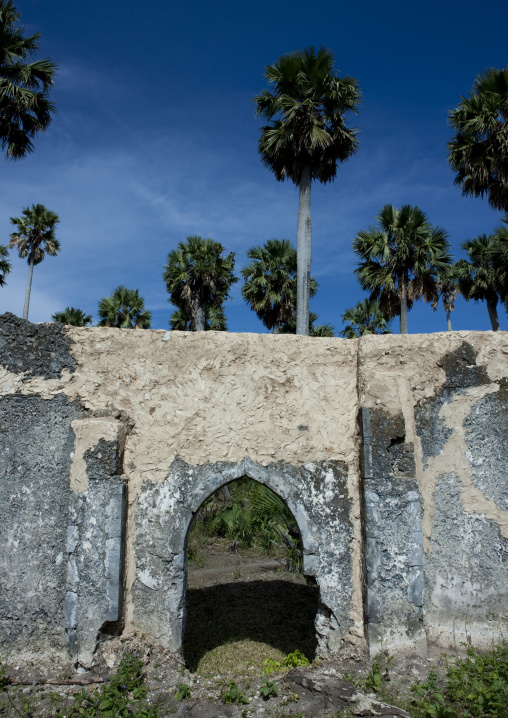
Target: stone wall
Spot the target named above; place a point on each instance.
(390, 451)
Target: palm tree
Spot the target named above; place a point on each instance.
(73, 317)
(479, 278)
(24, 86)
(215, 320)
(198, 276)
(315, 330)
(478, 154)
(306, 138)
(34, 237)
(400, 259)
(124, 309)
(365, 318)
(498, 255)
(448, 288)
(5, 265)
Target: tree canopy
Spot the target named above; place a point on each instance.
(400, 258)
(306, 138)
(199, 276)
(365, 318)
(480, 278)
(5, 265)
(25, 84)
(124, 309)
(73, 317)
(478, 154)
(34, 238)
(270, 282)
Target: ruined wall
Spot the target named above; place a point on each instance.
(377, 446)
(438, 422)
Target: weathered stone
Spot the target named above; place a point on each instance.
(340, 694)
(95, 557)
(316, 494)
(394, 531)
(35, 445)
(393, 538)
(37, 349)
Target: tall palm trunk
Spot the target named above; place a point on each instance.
(403, 306)
(448, 320)
(492, 310)
(199, 316)
(275, 329)
(303, 257)
(28, 288)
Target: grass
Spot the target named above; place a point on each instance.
(235, 627)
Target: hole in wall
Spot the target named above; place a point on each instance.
(247, 599)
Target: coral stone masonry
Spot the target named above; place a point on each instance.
(390, 451)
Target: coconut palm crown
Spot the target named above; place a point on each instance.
(480, 278)
(34, 238)
(5, 265)
(365, 318)
(124, 309)
(25, 109)
(215, 320)
(306, 138)
(270, 282)
(73, 317)
(400, 259)
(498, 255)
(447, 288)
(199, 276)
(478, 154)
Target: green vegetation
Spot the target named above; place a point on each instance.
(124, 309)
(400, 258)
(253, 516)
(296, 659)
(232, 694)
(474, 687)
(306, 138)
(123, 696)
(478, 154)
(25, 109)
(73, 317)
(447, 290)
(198, 278)
(34, 237)
(215, 320)
(5, 265)
(270, 283)
(268, 690)
(483, 277)
(183, 692)
(365, 318)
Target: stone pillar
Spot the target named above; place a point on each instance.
(393, 540)
(95, 536)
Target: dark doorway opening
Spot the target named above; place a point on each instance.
(247, 599)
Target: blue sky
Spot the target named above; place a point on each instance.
(156, 139)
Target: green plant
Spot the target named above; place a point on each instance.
(292, 660)
(3, 677)
(379, 671)
(268, 690)
(474, 687)
(183, 692)
(232, 694)
(124, 696)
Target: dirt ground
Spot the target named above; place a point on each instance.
(242, 609)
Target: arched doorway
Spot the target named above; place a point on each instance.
(317, 496)
(247, 599)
